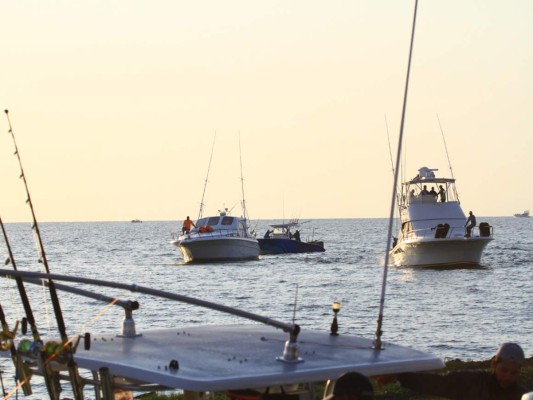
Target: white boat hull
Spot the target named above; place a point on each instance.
(218, 249)
(440, 252)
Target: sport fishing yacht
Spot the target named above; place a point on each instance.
(433, 229)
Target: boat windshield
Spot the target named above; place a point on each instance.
(227, 221)
(207, 221)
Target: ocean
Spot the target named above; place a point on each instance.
(453, 313)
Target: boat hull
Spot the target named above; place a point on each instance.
(280, 246)
(218, 249)
(457, 252)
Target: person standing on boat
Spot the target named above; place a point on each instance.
(424, 190)
(470, 223)
(500, 383)
(433, 193)
(267, 234)
(442, 194)
(187, 225)
(296, 236)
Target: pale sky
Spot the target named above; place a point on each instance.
(115, 104)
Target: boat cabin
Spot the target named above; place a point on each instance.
(220, 223)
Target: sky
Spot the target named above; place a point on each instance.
(115, 106)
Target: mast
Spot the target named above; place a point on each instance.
(379, 332)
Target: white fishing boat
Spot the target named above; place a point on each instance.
(267, 355)
(524, 214)
(432, 231)
(218, 238)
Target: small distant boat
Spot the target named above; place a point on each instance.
(525, 214)
(432, 232)
(282, 239)
(135, 221)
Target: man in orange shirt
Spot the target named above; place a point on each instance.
(187, 224)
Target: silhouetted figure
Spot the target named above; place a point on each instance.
(296, 235)
(470, 223)
(442, 194)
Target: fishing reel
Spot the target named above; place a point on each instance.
(7, 336)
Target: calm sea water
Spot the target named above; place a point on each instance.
(456, 313)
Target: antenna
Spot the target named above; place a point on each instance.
(200, 213)
(379, 332)
(295, 302)
(244, 211)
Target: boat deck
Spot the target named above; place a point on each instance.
(212, 358)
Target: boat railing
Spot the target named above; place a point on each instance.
(212, 233)
(440, 232)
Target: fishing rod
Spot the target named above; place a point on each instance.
(27, 310)
(67, 347)
(379, 332)
(206, 178)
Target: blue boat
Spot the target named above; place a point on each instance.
(285, 238)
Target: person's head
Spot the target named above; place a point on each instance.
(470, 212)
(440, 187)
(187, 217)
(351, 386)
(506, 364)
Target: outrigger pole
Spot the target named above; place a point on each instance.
(242, 183)
(292, 329)
(379, 332)
(206, 178)
(77, 387)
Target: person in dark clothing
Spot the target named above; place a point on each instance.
(470, 223)
(296, 235)
(350, 386)
(442, 194)
(267, 234)
(500, 383)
